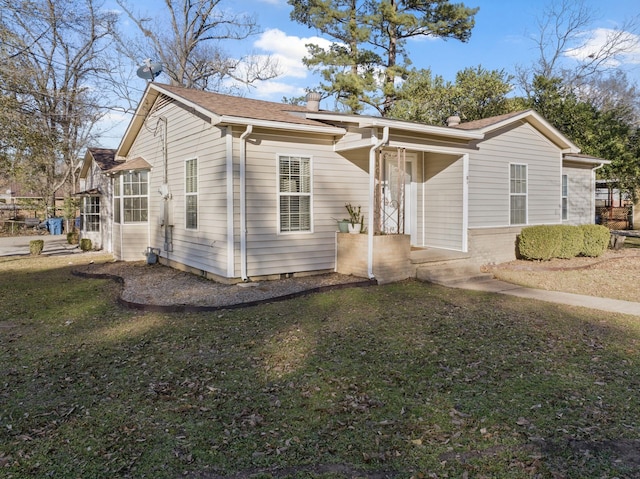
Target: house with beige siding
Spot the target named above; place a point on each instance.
(237, 189)
(96, 199)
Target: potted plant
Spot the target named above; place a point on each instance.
(356, 219)
(343, 225)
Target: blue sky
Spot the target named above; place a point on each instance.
(500, 40)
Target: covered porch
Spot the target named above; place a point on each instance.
(416, 190)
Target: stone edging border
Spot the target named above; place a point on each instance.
(188, 308)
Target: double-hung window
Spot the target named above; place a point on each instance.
(191, 194)
(130, 193)
(565, 197)
(294, 193)
(90, 212)
(517, 194)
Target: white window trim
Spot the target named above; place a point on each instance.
(86, 200)
(310, 194)
(564, 198)
(124, 197)
(526, 195)
(196, 194)
(117, 199)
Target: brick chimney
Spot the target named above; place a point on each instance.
(313, 101)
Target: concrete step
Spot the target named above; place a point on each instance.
(451, 272)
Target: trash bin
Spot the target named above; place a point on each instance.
(55, 226)
(152, 255)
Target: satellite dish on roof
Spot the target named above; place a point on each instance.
(149, 71)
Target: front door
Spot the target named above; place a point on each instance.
(397, 204)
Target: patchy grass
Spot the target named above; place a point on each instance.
(405, 380)
(613, 275)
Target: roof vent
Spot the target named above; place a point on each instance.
(453, 120)
(313, 101)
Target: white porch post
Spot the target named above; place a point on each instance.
(372, 191)
(465, 203)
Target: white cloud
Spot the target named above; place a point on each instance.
(596, 43)
(275, 90)
(288, 51)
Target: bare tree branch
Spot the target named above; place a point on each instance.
(191, 47)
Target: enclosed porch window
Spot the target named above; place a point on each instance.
(131, 197)
(90, 213)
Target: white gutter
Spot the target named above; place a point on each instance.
(372, 189)
(279, 125)
(374, 121)
(243, 203)
(230, 205)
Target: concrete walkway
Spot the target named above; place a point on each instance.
(57, 245)
(592, 302)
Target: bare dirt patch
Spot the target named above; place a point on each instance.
(615, 274)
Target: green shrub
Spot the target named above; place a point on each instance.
(85, 244)
(596, 240)
(36, 247)
(73, 237)
(572, 242)
(540, 242)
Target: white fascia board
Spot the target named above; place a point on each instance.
(446, 150)
(194, 106)
(444, 131)
(279, 125)
(370, 122)
(542, 125)
(585, 161)
(136, 122)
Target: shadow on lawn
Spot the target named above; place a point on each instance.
(405, 379)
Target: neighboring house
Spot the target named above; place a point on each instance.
(18, 201)
(235, 188)
(96, 198)
(615, 208)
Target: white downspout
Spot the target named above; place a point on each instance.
(230, 219)
(243, 203)
(372, 189)
(593, 189)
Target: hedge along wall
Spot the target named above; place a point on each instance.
(544, 242)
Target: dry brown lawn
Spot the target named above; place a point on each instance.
(616, 274)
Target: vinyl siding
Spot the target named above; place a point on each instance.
(489, 178)
(134, 242)
(442, 202)
(335, 181)
(97, 179)
(581, 195)
(355, 138)
(189, 136)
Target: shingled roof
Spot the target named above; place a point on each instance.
(137, 163)
(485, 122)
(226, 105)
(104, 157)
